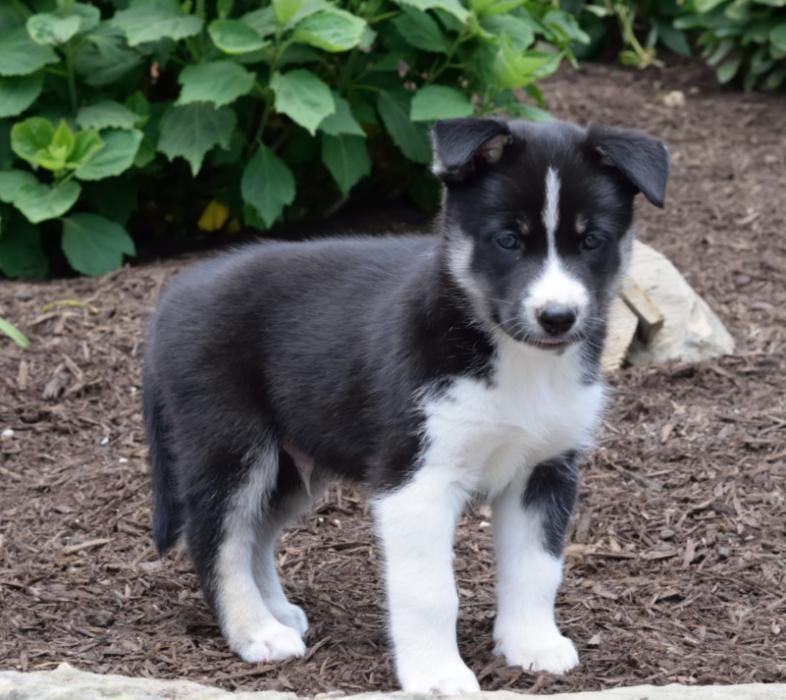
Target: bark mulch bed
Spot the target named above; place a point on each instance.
(676, 571)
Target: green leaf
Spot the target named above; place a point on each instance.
(419, 30)
(564, 28)
(728, 69)
(330, 30)
(262, 21)
(117, 155)
(775, 79)
(267, 185)
(39, 202)
(9, 329)
(303, 97)
(20, 55)
(11, 181)
(439, 102)
(721, 51)
(513, 69)
(31, 136)
(778, 36)
(346, 157)
(705, 6)
(106, 114)
(63, 141)
(192, 130)
(47, 29)
(520, 31)
(673, 39)
(394, 109)
(452, 7)
(289, 12)
(486, 8)
(19, 92)
(155, 20)
(86, 144)
(21, 254)
(220, 82)
(95, 245)
(90, 16)
(342, 121)
(233, 36)
(103, 56)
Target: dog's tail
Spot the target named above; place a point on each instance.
(167, 508)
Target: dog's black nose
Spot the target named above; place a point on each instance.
(557, 320)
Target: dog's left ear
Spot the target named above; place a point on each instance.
(644, 161)
(464, 146)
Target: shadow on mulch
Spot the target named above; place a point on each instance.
(676, 567)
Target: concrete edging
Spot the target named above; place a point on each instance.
(68, 683)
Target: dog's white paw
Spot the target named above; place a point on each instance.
(440, 679)
(272, 642)
(551, 652)
(291, 616)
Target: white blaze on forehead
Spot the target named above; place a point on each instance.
(551, 208)
(555, 285)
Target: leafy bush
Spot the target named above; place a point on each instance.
(741, 39)
(639, 26)
(278, 108)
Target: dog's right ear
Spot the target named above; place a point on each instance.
(464, 146)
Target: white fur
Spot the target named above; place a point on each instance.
(245, 571)
(528, 576)
(551, 206)
(416, 525)
(535, 409)
(555, 285)
(483, 437)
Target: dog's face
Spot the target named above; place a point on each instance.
(538, 220)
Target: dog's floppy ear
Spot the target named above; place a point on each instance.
(461, 146)
(644, 161)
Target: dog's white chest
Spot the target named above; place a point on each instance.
(534, 408)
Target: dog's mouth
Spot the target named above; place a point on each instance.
(554, 344)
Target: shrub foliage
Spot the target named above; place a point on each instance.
(276, 108)
(741, 39)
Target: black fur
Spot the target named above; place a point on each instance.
(642, 160)
(167, 511)
(552, 489)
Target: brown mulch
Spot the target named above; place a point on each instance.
(677, 567)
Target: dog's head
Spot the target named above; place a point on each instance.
(538, 219)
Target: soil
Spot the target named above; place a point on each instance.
(676, 570)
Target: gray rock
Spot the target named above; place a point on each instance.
(691, 331)
(67, 683)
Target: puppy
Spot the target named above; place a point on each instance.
(432, 369)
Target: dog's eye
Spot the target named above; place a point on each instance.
(508, 241)
(591, 241)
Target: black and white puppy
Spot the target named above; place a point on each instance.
(432, 369)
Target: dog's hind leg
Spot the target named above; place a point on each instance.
(293, 492)
(227, 561)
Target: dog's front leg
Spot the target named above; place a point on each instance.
(530, 521)
(416, 524)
